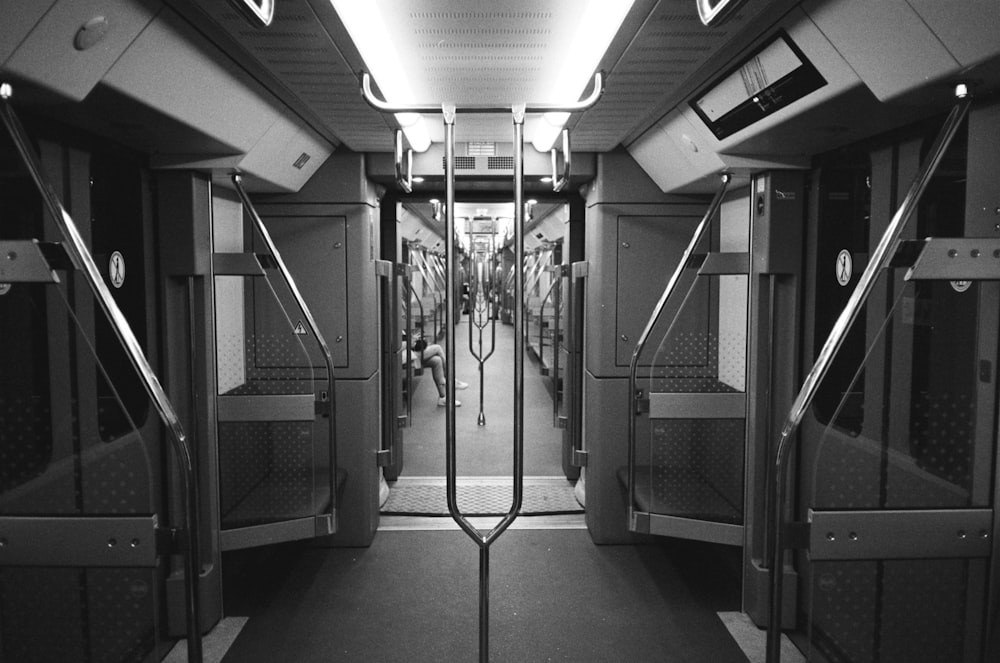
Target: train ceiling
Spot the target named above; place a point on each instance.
(475, 51)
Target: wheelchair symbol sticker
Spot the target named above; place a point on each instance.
(116, 269)
(845, 267)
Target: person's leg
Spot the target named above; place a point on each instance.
(436, 364)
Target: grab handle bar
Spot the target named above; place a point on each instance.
(84, 262)
(479, 317)
(380, 104)
(411, 294)
(879, 259)
(449, 112)
(578, 273)
(405, 181)
(559, 183)
(541, 319)
(696, 237)
(300, 301)
(557, 305)
(715, 14)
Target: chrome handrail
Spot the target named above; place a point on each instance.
(286, 276)
(480, 316)
(380, 104)
(259, 13)
(408, 308)
(83, 261)
(559, 183)
(536, 269)
(405, 182)
(449, 112)
(879, 259)
(576, 294)
(541, 319)
(715, 15)
(696, 237)
(557, 305)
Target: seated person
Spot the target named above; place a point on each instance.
(432, 356)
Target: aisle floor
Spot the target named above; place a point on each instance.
(554, 596)
(484, 450)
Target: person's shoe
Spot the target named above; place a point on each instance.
(461, 385)
(444, 401)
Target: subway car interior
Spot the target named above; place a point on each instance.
(561, 330)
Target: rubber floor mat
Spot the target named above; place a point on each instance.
(480, 499)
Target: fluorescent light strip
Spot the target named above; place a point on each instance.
(598, 26)
(364, 23)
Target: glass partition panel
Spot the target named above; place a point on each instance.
(274, 461)
(926, 445)
(690, 461)
(62, 466)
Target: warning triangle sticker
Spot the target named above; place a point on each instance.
(300, 330)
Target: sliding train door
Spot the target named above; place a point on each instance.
(896, 473)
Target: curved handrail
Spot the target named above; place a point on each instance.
(633, 369)
(880, 258)
(76, 248)
(574, 107)
(286, 276)
(479, 317)
(259, 13)
(449, 112)
(409, 346)
(559, 183)
(715, 15)
(405, 182)
(557, 304)
(541, 317)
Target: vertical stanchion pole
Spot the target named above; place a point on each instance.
(879, 259)
(518, 112)
(448, 113)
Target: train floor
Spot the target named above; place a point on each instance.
(554, 596)
(412, 595)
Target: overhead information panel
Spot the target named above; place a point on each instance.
(776, 75)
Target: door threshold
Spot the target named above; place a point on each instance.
(431, 523)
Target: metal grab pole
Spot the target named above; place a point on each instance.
(879, 259)
(84, 262)
(541, 321)
(300, 301)
(696, 238)
(559, 183)
(449, 112)
(379, 104)
(479, 317)
(405, 182)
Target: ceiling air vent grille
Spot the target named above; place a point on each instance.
(461, 163)
(500, 163)
(481, 149)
